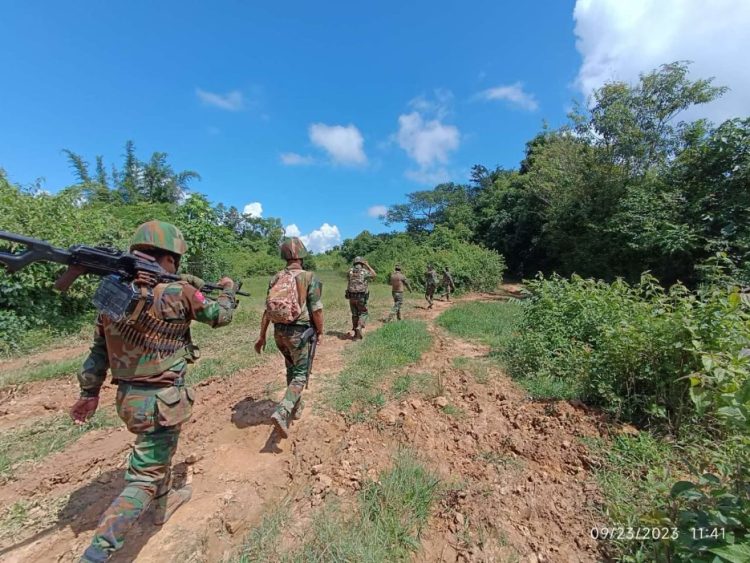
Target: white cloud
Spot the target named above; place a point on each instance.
(254, 209)
(377, 211)
(439, 106)
(294, 159)
(344, 144)
(292, 230)
(319, 240)
(426, 142)
(231, 101)
(620, 39)
(513, 93)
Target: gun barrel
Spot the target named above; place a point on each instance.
(36, 251)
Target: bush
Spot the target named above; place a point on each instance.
(473, 268)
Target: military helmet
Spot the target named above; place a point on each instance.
(161, 235)
(292, 248)
(359, 260)
(398, 267)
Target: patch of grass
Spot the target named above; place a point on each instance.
(37, 441)
(42, 372)
(386, 526)
(453, 410)
(24, 515)
(476, 366)
(262, 544)
(635, 476)
(490, 322)
(357, 389)
(401, 385)
(542, 387)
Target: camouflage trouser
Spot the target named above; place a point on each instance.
(447, 289)
(358, 306)
(156, 421)
(429, 293)
(398, 300)
(289, 342)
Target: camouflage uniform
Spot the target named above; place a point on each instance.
(430, 285)
(288, 339)
(448, 285)
(148, 360)
(398, 282)
(358, 295)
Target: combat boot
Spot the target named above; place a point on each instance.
(280, 423)
(166, 504)
(358, 334)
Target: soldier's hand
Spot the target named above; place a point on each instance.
(83, 409)
(195, 281)
(226, 283)
(260, 344)
(145, 278)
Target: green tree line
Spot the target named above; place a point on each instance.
(625, 187)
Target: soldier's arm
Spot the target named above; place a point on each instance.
(94, 371)
(315, 304)
(369, 268)
(406, 283)
(214, 313)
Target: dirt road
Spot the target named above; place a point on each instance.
(526, 491)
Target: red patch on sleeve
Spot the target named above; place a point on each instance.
(200, 297)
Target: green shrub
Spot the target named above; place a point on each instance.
(473, 268)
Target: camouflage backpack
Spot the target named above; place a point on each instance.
(282, 303)
(357, 280)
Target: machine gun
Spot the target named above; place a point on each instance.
(117, 267)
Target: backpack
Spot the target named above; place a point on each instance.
(282, 303)
(357, 280)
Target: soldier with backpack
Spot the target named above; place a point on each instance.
(358, 292)
(293, 305)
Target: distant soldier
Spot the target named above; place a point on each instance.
(147, 354)
(430, 284)
(398, 282)
(293, 304)
(358, 293)
(448, 285)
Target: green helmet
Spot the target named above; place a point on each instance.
(161, 235)
(292, 248)
(359, 260)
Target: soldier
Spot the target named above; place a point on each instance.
(448, 285)
(147, 355)
(293, 304)
(430, 285)
(398, 282)
(357, 292)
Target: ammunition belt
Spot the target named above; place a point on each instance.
(155, 335)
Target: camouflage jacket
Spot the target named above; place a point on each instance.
(398, 282)
(153, 356)
(431, 279)
(448, 280)
(310, 291)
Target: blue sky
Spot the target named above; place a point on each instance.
(321, 112)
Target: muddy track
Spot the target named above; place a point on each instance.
(523, 475)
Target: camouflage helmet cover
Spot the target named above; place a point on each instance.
(161, 235)
(398, 267)
(292, 248)
(359, 260)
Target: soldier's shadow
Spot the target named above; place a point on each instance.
(257, 412)
(86, 505)
(338, 334)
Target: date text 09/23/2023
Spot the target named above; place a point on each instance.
(652, 533)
